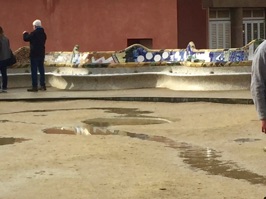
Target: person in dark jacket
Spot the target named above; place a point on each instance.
(37, 39)
(5, 54)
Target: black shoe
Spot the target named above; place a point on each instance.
(42, 88)
(33, 89)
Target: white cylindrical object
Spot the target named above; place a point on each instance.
(140, 58)
(165, 55)
(157, 58)
(149, 56)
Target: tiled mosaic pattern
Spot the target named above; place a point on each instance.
(140, 54)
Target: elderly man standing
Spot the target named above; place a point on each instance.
(37, 39)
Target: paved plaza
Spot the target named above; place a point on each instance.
(140, 145)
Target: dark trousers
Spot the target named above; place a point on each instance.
(37, 65)
(3, 70)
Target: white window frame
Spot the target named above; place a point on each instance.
(252, 21)
(222, 39)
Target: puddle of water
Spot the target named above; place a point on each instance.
(99, 126)
(208, 161)
(105, 122)
(67, 131)
(126, 112)
(11, 140)
(205, 159)
(4, 121)
(59, 131)
(198, 158)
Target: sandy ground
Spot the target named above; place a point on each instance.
(180, 150)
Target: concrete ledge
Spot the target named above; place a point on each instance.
(151, 80)
(175, 78)
(22, 80)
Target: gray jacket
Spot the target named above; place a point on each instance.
(4, 48)
(258, 80)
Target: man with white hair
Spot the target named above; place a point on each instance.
(37, 39)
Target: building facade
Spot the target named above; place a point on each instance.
(104, 25)
(234, 23)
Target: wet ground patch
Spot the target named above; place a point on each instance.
(105, 122)
(197, 158)
(11, 140)
(125, 112)
(245, 140)
(59, 131)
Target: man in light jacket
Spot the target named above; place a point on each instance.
(258, 83)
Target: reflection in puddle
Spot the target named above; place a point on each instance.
(11, 140)
(205, 159)
(98, 126)
(59, 131)
(67, 131)
(198, 158)
(208, 160)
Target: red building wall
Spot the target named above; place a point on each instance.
(95, 25)
(192, 24)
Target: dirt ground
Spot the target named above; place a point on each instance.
(151, 150)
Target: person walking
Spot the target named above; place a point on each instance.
(258, 83)
(5, 55)
(37, 39)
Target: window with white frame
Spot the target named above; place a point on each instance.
(219, 28)
(253, 25)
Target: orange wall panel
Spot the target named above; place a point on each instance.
(95, 25)
(192, 24)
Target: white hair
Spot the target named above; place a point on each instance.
(37, 22)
